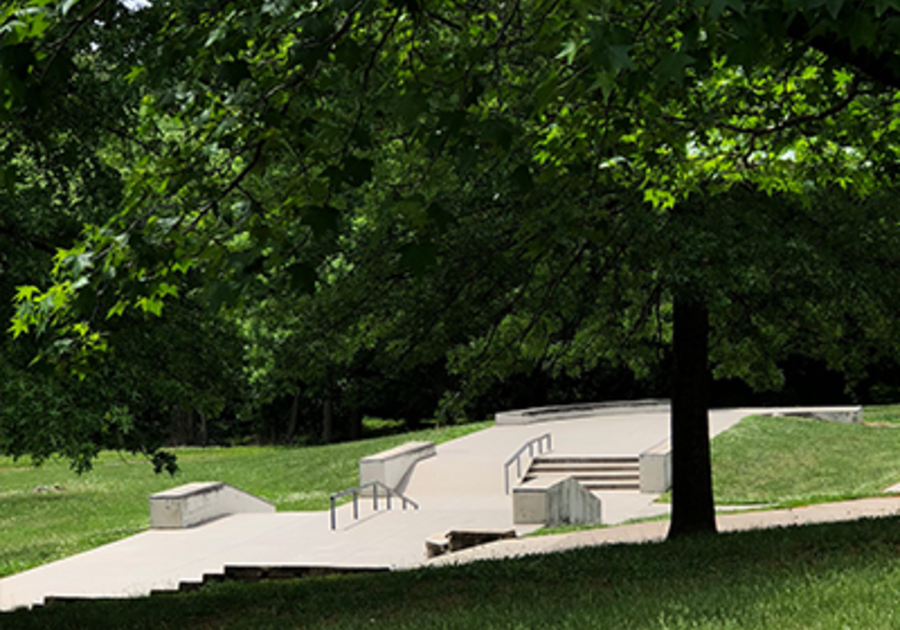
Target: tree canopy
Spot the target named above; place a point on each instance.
(495, 185)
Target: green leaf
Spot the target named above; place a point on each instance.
(569, 51)
(18, 328)
(546, 92)
(883, 5)
(861, 30)
(834, 7)
(117, 309)
(25, 293)
(620, 57)
(671, 67)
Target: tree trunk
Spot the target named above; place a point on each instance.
(327, 419)
(292, 423)
(356, 424)
(693, 509)
(204, 431)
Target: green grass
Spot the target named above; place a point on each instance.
(110, 502)
(882, 414)
(816, 577)
(796, 461)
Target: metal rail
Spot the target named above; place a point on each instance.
(356, 492)
(517, 458)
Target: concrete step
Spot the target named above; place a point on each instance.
(592, 477)
(265, 573)
(583, 468)
(586, 459)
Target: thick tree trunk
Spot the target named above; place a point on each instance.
(693, 509)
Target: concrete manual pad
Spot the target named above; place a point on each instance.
(462, 488)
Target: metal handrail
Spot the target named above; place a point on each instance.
(356, 492)
(529, 445)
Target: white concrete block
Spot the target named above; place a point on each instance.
(392, 467)
(555, 500)
(847, 415)
(656, 468)
(199, 502)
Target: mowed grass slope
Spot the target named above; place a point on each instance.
(790, 461)
(49, 512)
(817, 577)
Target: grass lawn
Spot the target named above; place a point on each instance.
(816, 577)
(40, 523)
(796, 461)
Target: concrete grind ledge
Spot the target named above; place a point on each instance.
(581, 410)
(199, 502)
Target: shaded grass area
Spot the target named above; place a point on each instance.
(796, 461)
(49, 512)
(823, 576)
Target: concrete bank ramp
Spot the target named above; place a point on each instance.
(201, 502)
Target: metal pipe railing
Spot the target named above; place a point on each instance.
(356, 492)
(517, 458)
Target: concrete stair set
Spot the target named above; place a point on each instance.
(595, 473)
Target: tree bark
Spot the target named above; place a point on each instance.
(327, 419)
(693, 509)
(292, 423)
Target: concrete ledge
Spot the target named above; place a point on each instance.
(196, 503)
(555, 500)
(846, 415)
(581, 410)
(656, 468)
(392, 467)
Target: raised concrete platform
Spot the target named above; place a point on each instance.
(847, 415)
(656, 468)
(581, 410)
(200, 502)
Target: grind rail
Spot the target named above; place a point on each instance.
(358, 490)
(517, 457)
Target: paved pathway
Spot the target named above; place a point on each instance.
(461, 488)
(654, 531)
